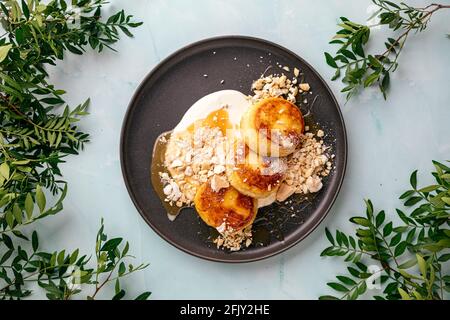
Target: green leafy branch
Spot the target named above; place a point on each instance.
(361, 70)
(37, 132)
(421, 241)
(61, 275)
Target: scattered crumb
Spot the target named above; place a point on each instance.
(274, 86)
(234, 240)
(304, 86)
(308, 165)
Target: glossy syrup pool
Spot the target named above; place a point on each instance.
(158, 167)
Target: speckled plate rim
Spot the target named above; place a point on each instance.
(125, 125)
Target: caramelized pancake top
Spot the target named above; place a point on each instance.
(276, 114)
(226, 205)
(256, 171)
(254, 175)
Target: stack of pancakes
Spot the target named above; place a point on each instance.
(270, 130)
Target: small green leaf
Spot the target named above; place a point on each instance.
(125, 249)
(117, 286)
(74, 256)
(330, 60)
(369, 208)
(4, 51)
(380, 218)
(400, 248)
(329, 236)
(337, 286)
(111, 244)
(143, 296)
(9, 219)
(392, 4)
(346, 280)
(429, 188)
(395, 240)
(407, 194)
(328, 298)
(119, 295)
(387, 230)
(404, 294)
(40, 198)
(361, 221)
(348, 54)
(4, 170)
(444, 257)
(422, 265)
(29, 205)
(412, 201)
(413, 179)
(26, 10)
(17, 213)
(408, 264)
(371, 79)
(34, 241)
(336, 74)
(122, 269)
(61, 257)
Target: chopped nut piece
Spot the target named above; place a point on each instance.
(219, 182)
(296, 72)
(274, 86)
(320, 133)
(221, 228)
(176, 163)
(167, 189)
(314, 184)
(219, 169)
(304, 86)
(232, 239)
(284, 192)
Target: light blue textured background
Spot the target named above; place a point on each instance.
(387, 140)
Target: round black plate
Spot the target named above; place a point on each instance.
(160, 102)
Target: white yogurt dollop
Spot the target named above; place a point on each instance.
(235, 101)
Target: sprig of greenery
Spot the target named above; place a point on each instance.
(38, 130)
(422, 241)
(361, 70)
(62, 275)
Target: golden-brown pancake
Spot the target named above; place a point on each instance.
(251, 174)
(272, 127)
(226, 205)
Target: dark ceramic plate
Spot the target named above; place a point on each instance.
(160, 102)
